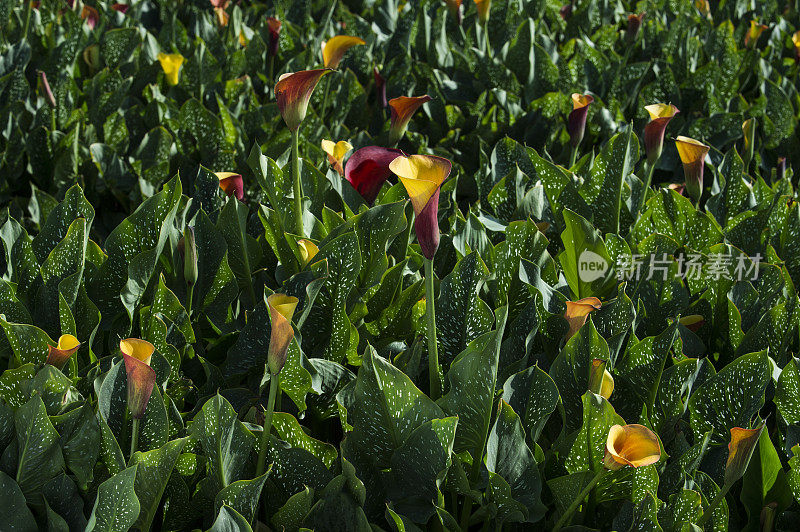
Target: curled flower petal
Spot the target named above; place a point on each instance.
(141, 380)
(336, 153)
(231, 183)
(293, 92)
(274, 27)
(308, 250)
(484, 6)
(660, 116)
(576, 123)
(402, 109)
(57, 356)
(368, 168)
(578, 311)
(422, 176)
(633, 445)
(171, 63)
(634, 25)
(141, 350)
(692, 154)
(752, 35)
(334, 49)
(600, 379)
(740, 450)
(281, 309)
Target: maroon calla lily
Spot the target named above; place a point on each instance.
(141, 380)
(121, 8)
(576, 123)
(368, 168)
(660, 116)
(380, 87)
(634, 25)
(274, 27)
(231, 184)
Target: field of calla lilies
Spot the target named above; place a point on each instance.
(399, 265)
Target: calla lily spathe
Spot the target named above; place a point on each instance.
(796, 43)
(660, 116)
(752, 35)
(281, 309)
(634, 25)
(578, 311)
(222, 16)
(59, 354)
(171, 64)
(380, 86)
(141, 350)
(274, 27)
(334, 49)
(576, 123)
(740, 450)
(293, 92)
(91, 16)
(336, 152)
(141, 380)
(422, 176)
(231, 183)
(749, 134)
(402, 109)
(692, 154)
(484, 7)
(368, 169)
(631, 445)
(693, 322)
(600, 379)
(308, 250)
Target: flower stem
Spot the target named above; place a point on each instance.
(189, 300)
(485, 37)
(713, 505)
(434, 372)
(648, 181)
(262, 452)
(296, 188)
(134, 435)
(270, 68)
(564, 519)
(573, 155)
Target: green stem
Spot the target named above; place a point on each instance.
(27, 19)
(134, 435)
(485, 38)
(713, 506)
(474, 474)
(564, 519)
(270, 69)
(651, 168)
(434, 372)
(573, 156)
(262, 452)
(191, 296)
(296, 188)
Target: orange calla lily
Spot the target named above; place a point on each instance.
(660, 116)
(484, 6)
(422, 176)
(692, 154)
(293, 92)
(752, 35)
(171, 63)
(308, 250)
(336, 153)
(740, 450)
(703, 6)
(631, 445)
(334, 49)
(141, 350)
(578, 311)
(402, 109)
(281, 309)
(57, 356)
(141, 381)
(231, 183)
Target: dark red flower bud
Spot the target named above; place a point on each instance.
(380, 87)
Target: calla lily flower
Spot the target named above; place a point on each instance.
(455, 8)
(334, 49)
(308, 250)
(231, 183)
(274, 27)
(601, 380)
(752, 35)
(336, 153)
(293, 92)
(188, 249)
(368, 168)
(740, 450)
(566, 11)
(141, 380)
(796, 43)
(578, 311)
(693, 322)
(693, 154)
(380, 87)
(171, 63)
(91, 16)
(484, 6)
(281, 310)
(141, 350)
(660, 116)
(631, 445)
(402, 109)
(120, 8)
(576, 123)
(634, 25)
(57, 356)
(703, 6)
(749, 133)
(222, 16)
(422, 176)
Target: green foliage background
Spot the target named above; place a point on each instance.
(97, 191)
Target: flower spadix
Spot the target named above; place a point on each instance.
(402, 109)
(631, 445)
(660, 116)
(368, 169)
(576, 123)
(281, 309)
(59, 354)
(336, 152)
(171, 64)
(231, 184)
(293, 92)
(141, 377)
(422, 176)
(578, 311)
(334, 49)
(693, 154)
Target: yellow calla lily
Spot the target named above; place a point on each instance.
(336, 153)
(631, 445)
(579, 101)
(57, 356)
(692, 154)
(578, 311)
(141, 350)
(421, 175)
(308, 250)
(334, 49)
(222, 16)
(660, 116)
(281, 309)
(661, 110)
(171, 63)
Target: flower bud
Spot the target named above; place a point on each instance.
(380, 87)
(576, 123)
(749, 133)
(57, 356)
(634, 25)
(274, 27)
(692, 154)
(660, 116)
(189, 256)
(484, 6)
(281, 309)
